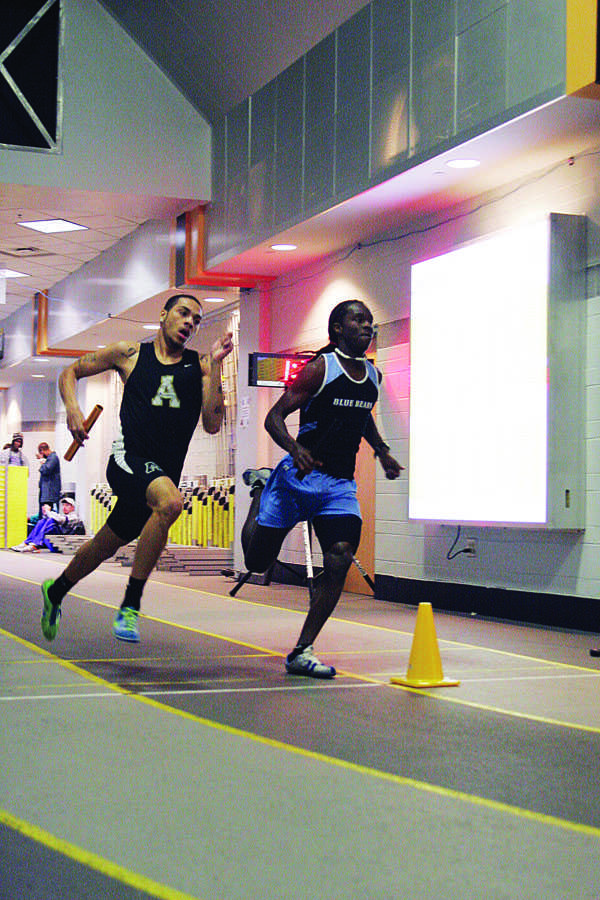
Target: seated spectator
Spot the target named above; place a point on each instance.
(65, 522)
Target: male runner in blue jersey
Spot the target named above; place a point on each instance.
(166, 388)
(335, 393)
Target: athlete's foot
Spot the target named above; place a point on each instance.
(304, 662)
(51, 613)
(256, 478)
(125, 626)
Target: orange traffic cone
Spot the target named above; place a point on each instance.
(424, 664)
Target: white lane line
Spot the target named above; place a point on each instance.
(321, 686)
(550, 676)
(125, 692)
(85, 696)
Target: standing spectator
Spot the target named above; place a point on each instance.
(49, 477)
(13, 455)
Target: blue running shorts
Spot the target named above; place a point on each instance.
(287, 499)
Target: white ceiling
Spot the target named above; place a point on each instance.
(48, 258)
(517, 150)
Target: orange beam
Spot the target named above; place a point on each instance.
(195, 273)
(41, 332)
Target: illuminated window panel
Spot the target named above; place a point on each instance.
(497, 392)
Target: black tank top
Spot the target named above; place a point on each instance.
(160, 409)
(332, 423)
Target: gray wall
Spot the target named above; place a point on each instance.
(399, 82)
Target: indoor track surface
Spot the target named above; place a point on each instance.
(191, 766)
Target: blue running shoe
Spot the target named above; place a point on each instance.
(51, 613)
(125, 626)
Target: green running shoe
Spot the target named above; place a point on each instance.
(51, 613)
(125, 626)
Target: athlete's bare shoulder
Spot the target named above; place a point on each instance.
(121, 356)
(125, 355)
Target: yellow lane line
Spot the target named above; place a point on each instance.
(363, 625)
(445, 697)
(92, 860)
(357, 768)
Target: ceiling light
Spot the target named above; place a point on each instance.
(53, 226)
(283, 248)
(101, 346)
(38, 376)
(150, 327)
(463, 163)
(10, 273)
(39, 359)
(213, 299)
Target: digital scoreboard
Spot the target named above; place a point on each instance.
(275, 369)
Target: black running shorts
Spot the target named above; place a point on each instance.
(129, 479)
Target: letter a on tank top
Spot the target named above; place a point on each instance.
(166, 393)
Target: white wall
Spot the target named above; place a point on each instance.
(125, 126)
(380, 275)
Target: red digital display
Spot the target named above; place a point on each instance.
(275, 369)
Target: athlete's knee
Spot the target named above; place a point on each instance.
(261, 546)
(168, 507)
(172, 509)
(256, 559)
(338, 559)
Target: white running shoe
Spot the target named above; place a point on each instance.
(256, 477)
(306, 663)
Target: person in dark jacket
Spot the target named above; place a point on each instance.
(50, 484)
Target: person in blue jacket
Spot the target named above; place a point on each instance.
(50, 483)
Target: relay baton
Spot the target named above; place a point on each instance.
(75, 445)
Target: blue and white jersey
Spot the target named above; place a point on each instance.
(333, 421)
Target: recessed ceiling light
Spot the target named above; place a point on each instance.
(213, 299)
(53, 226)
(463, 163)
(10, 273)
(283, 248)
(38, 376)
(101, 346)
(150, 327)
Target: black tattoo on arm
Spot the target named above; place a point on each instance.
(89, 358)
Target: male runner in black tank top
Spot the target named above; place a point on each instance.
(167, 387)
(335, 393)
